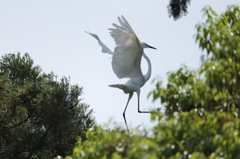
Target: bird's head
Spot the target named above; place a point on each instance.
(144, 45)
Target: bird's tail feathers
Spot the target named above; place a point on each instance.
(121, 86)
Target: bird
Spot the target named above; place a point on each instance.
(126, 60)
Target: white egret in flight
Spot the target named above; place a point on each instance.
(126, 60)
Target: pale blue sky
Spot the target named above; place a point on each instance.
(52, 32)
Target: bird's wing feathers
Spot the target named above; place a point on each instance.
(105, 49)
(126, 62)
(128, 53)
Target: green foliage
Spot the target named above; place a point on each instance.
(215, 85)
(102, 143)
(178, 8)
(40, 117)
(193, 135)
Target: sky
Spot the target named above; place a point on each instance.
(52, 32)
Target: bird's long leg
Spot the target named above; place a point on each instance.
(129, 98)
(138, 95)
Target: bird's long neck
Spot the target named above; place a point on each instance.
(148, 74)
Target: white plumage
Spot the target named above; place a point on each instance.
(126, 60)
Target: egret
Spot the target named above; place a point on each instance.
(126, 60)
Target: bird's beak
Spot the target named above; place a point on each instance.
(152, 47)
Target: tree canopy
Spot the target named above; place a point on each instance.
(194, 135)
(215, 85)
(201, 115)
(40, 117)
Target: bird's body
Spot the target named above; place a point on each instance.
(126, 60)
(132, 85)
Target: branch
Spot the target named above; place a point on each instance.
(40, 142)
(29, 116)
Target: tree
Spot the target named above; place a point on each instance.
(215, 85)
(40, 116)
(201, 118)
(193, 135)
(178, 8)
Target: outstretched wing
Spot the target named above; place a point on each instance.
(126, 61)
